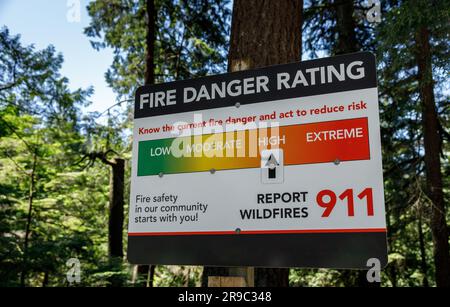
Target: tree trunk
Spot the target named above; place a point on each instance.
(28, 225)
(391, 269)
(150, 38)
(116, 215)
(345, 27)
(263, 33)
(150, 43)
(268, 277)
(151, 276)
(46, 279)
(432, 144)
(423, 259)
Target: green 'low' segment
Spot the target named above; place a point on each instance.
(155, 157)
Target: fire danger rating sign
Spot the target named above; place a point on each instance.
(277, 167)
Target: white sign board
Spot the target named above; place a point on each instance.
(279, 166)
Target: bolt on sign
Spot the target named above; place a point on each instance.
(277, 167)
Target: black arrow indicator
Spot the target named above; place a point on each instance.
(272, 173)
(272, 164)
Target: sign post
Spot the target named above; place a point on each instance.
(276, 167)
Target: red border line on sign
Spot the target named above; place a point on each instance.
(251, 232)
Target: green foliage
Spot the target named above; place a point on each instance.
(320, 32)
(30, 81)
(407, 203)
(68, 216)
(178, 276)
(190, 39)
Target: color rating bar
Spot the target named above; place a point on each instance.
(343, 140)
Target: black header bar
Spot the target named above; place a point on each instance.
(322, 76)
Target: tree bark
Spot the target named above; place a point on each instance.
(116, 216)
(432, 145)
(345, 27)
(263, 33)
(269, 277)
